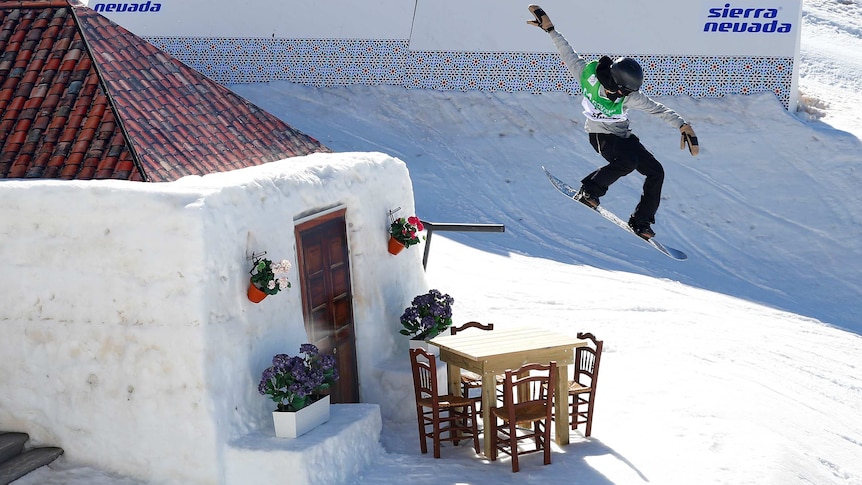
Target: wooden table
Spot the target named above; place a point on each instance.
(491, 353)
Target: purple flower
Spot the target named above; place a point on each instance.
(294, 382)
(428, 315)
(327, 362)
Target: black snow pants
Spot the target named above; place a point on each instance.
(625, 155)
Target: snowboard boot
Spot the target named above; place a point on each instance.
(641, 228)
(587, 198)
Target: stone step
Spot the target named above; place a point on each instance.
(335, 452)
(11, 444)
(24, 463)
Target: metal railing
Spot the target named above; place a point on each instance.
(430, 227)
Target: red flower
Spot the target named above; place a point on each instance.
(416, 222)
(405, 230)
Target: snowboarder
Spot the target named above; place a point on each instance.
(610, 88)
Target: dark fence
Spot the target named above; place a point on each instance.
(430, 227)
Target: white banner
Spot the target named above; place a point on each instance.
(699, 48)
(290, 19)
(658, 27)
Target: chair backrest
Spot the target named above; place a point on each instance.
(480, 326)
(528, 391)
(424, 366)
(587, 360)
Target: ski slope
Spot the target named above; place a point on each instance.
(700, 383)
(765, 212)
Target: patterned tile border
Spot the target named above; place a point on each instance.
(340, 62)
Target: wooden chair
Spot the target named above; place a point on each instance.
(460, 412)
(582, 389)
(526, 414)
(471, 380)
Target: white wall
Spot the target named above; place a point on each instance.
(125, 315)
(477, 44)
(350, 19)
(661, 27)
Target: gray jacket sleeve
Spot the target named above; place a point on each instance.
(573, 61)
(640, 101)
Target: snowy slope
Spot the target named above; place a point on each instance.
(831, 62)
(764, 211)
(696, 387)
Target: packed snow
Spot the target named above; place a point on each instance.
(738, 366)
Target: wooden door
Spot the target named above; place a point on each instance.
(327, 300)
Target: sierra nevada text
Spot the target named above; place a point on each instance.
(751, 23)
(128, 7)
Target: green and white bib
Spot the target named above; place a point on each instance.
(597, 107)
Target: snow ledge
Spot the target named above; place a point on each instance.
(333, 453)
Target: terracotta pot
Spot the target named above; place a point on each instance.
(395, 246)
(255, 294)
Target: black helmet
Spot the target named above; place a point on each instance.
(627, 73)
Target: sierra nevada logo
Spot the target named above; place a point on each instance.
(128, 7)
(735, 19)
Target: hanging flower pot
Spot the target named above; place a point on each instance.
(267, 278)
(255, 294)
(395, 246)
(403, 232)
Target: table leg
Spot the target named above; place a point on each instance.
(453, 375)
(561, 403)
(489, 400)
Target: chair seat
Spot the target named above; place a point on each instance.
(524, 413)
(578, 388)
(448, 401)
(469, 377)
(472, 378)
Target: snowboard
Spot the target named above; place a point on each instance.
(572, 193)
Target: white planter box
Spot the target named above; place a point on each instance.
(295, 424)
(422, 344)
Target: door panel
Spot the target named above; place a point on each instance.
(324, 270)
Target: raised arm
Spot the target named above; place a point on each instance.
(573, 61)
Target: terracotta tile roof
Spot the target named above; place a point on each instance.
(83, 98)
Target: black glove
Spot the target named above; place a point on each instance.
(542, 20)
(688, 138)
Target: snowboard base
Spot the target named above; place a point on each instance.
(572, 193)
